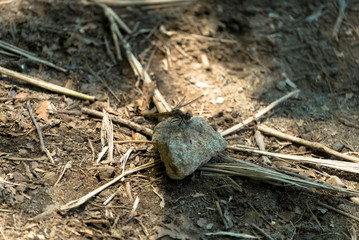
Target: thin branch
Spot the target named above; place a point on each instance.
(259, 114)
(43, 84)
(82, 200)
(338, 211)
(336, 164)
(29, 55)
(141, 2)
(42, 145)
(314, 145)
(145, 131)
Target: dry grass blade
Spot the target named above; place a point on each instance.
(259, 114)
(142, 2)
(336, 164)
(82, 200)
(29, 55)
(246, 169)
(313, 145)
(43, 84)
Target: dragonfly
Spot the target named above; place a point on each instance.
(176, 113)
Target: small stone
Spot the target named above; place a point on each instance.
(320, 101)
(105, 172)
(281, 85)
(50, 178)
(185, 147)
(338, 146)
(335, 181)
(19, 178)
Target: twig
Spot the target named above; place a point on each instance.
(125, 157)
(158, 99)
(262, 231)
(261, 145)
(129, 190)
(67, 166)
(107, 135)
(92, 150)
(146, 131)
(314, 145)
(259, 114)
(112, 196)
(221, 215)
(342, 6)
(338, 211)
(2, 181)
(29, 55)
(42, 145)
(231, 234)
(133, 141)
(3, 235)
(141, 2)
(23, 159)
(246, 169)
(336, 164)
(48, 154)
(46, 85)
(82, 200)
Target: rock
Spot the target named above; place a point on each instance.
(281, 85)
(335, 181)
(105, 172)
(185, 147)
(50, 178)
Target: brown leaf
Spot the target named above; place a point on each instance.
(43, 110)
(21, 96)
(147, 94)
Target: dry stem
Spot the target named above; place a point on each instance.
(82, 200)
(336, 164)
(145, 131)
(313, 145)
(43, 84)
(258, 114)
(42, 145)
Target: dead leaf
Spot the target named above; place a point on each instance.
(147, 94)
(22, 96)
(43, 110)
(172, 231)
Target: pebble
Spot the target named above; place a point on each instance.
(281, 85)
(50, 178)
(105, 172)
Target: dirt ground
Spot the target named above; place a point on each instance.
(257, 51)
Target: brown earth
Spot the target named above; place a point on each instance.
(253, 47)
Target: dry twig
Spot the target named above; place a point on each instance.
(82, 200)
(259, 114)
(313, 145)
(29, 55)
(145, 131)
(246, 169)
(42, 145)
(67, 166)
(336, 164)
(141, 2)
(338, 211)
(43, 84)
(338, 22)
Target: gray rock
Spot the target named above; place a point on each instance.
(105, 172)
(185, 147)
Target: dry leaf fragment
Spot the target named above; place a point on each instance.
(43, 110)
